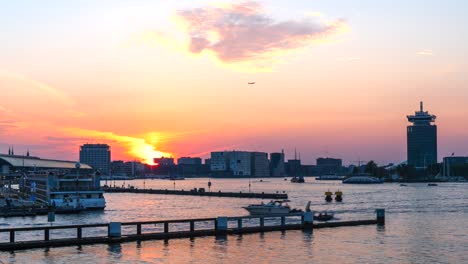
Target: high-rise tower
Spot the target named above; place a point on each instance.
(97, 156)
(422, 139)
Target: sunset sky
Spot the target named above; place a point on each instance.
(152, 78)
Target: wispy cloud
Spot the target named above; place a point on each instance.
(6, 125)
(425, 52)
(243, 33)
(28, 84)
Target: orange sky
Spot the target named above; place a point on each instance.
(171, 85)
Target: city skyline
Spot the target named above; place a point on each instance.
(150, 82)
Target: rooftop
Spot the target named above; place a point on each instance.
(31, 162)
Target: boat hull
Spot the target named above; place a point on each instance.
(267, 211)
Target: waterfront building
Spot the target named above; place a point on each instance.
(421, 139)
(277, 168)
(328, 165)
(163, 161)
(294, 167)
(189, 161)
(118, 168)
(455, 166)
(233, 163)
(134, 168)
(188, 166)
(12, 164)
(219, 161)
(240, 163)
(260, 164)
(97, 156)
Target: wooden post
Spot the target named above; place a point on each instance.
(138, 229)
(380, 216)
(308, 220)
(115, 229)
(79, 232)
(192, 226)
(166, 227)
(46, 234)
(12, 236)
(222, 225)
(239, 223)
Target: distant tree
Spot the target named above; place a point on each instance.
(406, 172)
(355, 170)
(371, 168)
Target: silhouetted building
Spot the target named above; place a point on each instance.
(294, 167)
(97, 156)
(422, 139)
(164, 161)
(188, 166)
(189, 161)
(455, 166)
(134, 168)
(277, 168)
(260, 164)
(118, 168)
(219, 161)
(329, 165)
(240, 163)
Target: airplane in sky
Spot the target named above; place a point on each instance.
(251, 83)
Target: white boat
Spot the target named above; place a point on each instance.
(270, 208)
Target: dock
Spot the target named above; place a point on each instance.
(262, 195)
(117, 232)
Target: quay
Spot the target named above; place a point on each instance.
(138, 231)
(262, 195)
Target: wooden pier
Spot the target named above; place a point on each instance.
(262, 195)
(216, 226)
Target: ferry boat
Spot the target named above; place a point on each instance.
(363, 178)
(330, 177)
(65, 192)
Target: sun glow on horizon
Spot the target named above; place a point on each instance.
(142, 149)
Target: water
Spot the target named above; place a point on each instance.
(423, 225)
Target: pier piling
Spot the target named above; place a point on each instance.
(221, 224)
(308, 220)
(380, 216)
(115, 229)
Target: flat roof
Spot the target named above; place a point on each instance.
(30, 162)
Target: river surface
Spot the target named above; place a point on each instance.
(424, 224)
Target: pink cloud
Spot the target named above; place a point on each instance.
(243, 31)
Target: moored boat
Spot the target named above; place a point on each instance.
(297, 179)
(324, 216)
(270, 208)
